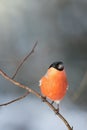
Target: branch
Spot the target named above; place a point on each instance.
(38, 95)
(17, 99)
(19, 84)
(20, 65)
(25, 58)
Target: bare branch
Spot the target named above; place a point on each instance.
(19, 84)
(25, 58)
(20, 65)
(17, 99)
(58, 114)
(38, 95)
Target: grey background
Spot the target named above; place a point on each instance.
(60, 26)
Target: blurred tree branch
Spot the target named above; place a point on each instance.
(17, 99)
(14, 75)
(29, 90)
(81, 89)
(25, 58)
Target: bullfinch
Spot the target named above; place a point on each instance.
(53, 84)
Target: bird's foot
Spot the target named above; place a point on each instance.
(52, 102)
(56, 110)
(43, 98)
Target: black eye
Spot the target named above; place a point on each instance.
(57, 65)
(60, 66)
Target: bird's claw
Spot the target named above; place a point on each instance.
(43, 98)
(56, 111)
(52, 102)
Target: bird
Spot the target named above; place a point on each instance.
(54, 84)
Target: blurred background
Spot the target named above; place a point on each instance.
(60, 26)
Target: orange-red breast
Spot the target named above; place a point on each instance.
(54, 83)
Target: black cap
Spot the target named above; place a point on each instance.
(57, 65)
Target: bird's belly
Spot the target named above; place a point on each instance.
(54, 90)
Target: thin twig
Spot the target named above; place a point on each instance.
(20, 65)
(19, 84)
(38, 95)
(25, 58)
(58, 114)
(17, 99)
